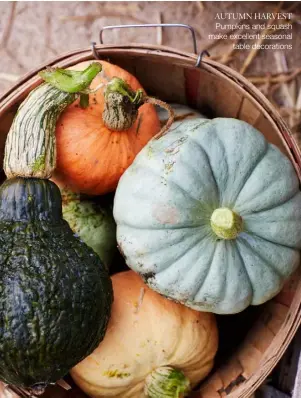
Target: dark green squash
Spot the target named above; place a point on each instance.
(56, 294)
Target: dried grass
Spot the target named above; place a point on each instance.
(283, 88)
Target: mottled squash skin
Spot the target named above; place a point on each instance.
(55, 296)
(94, 224)
(165, 200)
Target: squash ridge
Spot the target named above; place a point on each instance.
(175, 259)
(259, 160)
(236, 247)
(172, 182)
(200, 281)
(243, 242)
(287, 200)
(210, 165)
(188, 165)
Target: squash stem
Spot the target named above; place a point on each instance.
(71, 81)
(122, 103)
(225, 223)
(166, 382)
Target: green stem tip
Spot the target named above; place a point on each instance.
(119, 86)
(166, 382)
(71, 81)
(225, 223)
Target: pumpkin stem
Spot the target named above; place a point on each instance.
(225, 223)
(71, 81)
(166, 382)
(122, 104)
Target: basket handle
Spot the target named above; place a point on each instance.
(153, 25)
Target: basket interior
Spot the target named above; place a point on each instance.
(247, 340)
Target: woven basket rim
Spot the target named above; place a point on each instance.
(162, 51)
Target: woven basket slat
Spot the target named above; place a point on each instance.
(274, 316)
(230, 373)
(165, 81)
(263, 124)
(248, 112)
(288, 291)
(261, 336)
(212, 389)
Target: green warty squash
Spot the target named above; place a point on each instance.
(56, 294)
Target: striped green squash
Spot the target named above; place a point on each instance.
(33, 153)
(30, 149)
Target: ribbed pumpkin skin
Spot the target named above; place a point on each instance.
(90, 157)
(143, 334)
(164, 202)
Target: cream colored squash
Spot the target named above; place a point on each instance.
(146, 331)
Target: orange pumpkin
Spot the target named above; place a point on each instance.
(90, 157)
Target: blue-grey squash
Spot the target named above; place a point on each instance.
(209, 215)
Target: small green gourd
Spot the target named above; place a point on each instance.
(93, 222)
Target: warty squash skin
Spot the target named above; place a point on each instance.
(209, 215)
(146, 331)
(53, 288)
(90, 157)
(56, 294)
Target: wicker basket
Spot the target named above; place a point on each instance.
(251, 343)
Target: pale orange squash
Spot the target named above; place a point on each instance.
(90, 157)
(146, 336)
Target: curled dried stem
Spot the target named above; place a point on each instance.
(168, 108)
